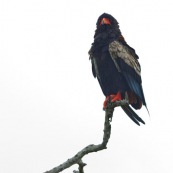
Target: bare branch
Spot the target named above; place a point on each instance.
(92, 148)
(81, 165)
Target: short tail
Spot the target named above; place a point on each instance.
(132, 115)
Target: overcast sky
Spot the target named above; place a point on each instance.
(50, 104)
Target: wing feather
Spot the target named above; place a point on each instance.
(132, 115)
(128, 65)
(94, 65)
(118, 50)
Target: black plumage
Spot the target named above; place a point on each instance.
(115, 65)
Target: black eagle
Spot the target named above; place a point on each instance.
(115, 65)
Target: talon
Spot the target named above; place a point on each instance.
(116, 97)
(112, 98)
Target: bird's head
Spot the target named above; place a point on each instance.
(107, 28)
(106, 20)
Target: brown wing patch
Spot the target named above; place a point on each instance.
(134, 100)
(117, 50)
(121, 38)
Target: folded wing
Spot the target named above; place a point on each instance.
(126, 62)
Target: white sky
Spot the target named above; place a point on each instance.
(50, 104)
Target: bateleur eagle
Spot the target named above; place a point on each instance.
(115, 65)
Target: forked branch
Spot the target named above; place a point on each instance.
(77, 159)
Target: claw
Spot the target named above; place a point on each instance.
(115, 97)
(112, 98)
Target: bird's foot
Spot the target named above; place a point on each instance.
(112, 98)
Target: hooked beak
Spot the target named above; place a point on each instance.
(105, 21)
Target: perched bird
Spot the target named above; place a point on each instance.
(115, 65)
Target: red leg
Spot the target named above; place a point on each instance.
(105, 102)
(115, 97)
(112, 98)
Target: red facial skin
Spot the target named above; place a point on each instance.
(105, 21)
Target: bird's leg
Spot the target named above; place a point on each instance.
(115, 97)
(112, 98)
(105, 102)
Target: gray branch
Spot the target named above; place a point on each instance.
(77, 159)
(81, 165)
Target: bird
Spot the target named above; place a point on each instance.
(115, 65)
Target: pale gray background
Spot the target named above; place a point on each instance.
(50, 104)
